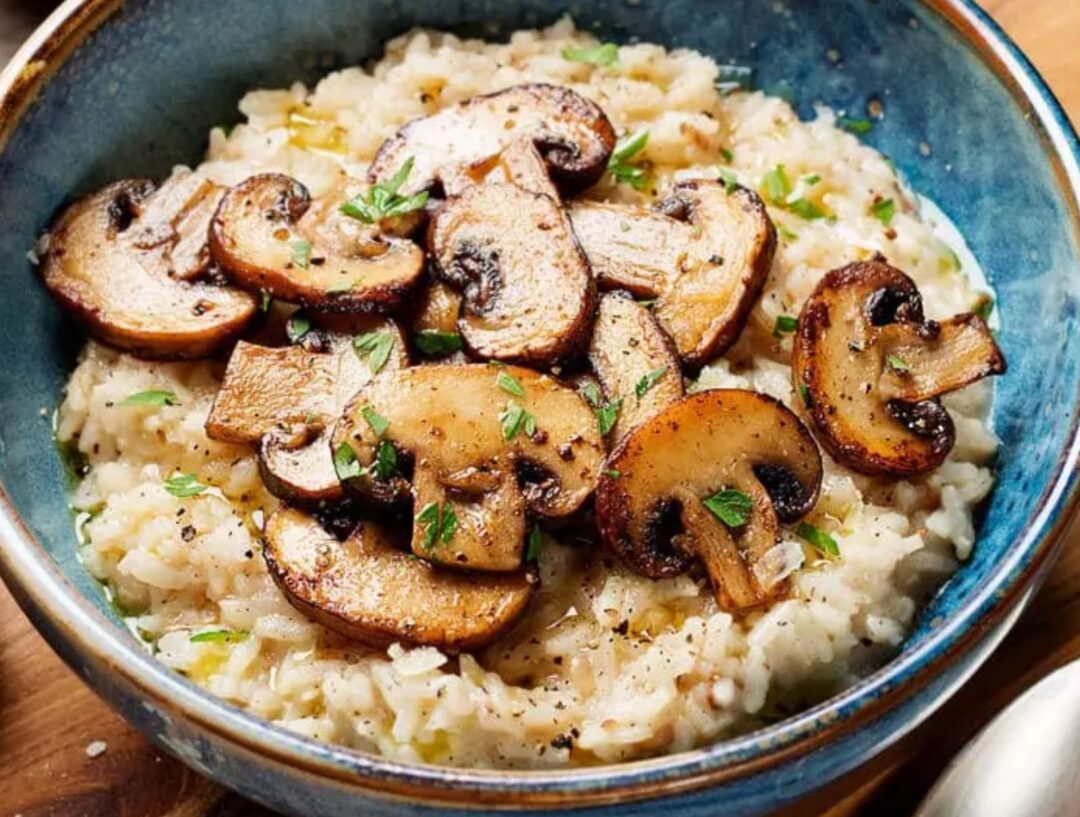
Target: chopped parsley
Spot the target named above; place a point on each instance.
(152, 397)
(383, 201)
(219, 637)
(785, 233)
(804, 208)
(340, 286)
(728, 156)
(378, 423)
(605, 54)
(433, 343)
(296, 327)
(731, 184)
(804, 393)
(897, 364)
(514, 418)
(619, 166)
(611, 473)
(883, 211)
(385, 465)
(606, 415)
(184, 486)
(265, 300)
(819, 539)
(377, 347)
(346, 464)
(785, 324)
(777, 185)
(592, 394)
(505, 381)
(857, 125)
(731, 507)
(648, 381)
(532, 551)
(440, 522)
(301, 253)
(984, 307)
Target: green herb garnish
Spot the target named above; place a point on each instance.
(532, 552)
(433, 343)
(804, 393)
(883, 211)
(152, 397)
(855, 125)
(296, 327)
(184, 486)
(731, 184)
(514, 418)
(731, 507)
(377, 347)
(592, 394)
(440, 522)
(383, 200)
(265, 300)
(984, 307)
(385, 465)
(508, 384)
(301, 253)
(219, 637)
(785, 233)
(648, 381)
(804, 208)
(611, 473)
(346, 464)
(605, 54)
(819, 539)
(620, 168)
(777, 185)
(897, 364)
(728, 156)
(606, 416)
(378, 423)
(785, 324)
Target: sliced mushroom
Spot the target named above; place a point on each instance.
(704, 255)
(287, 400)
(474, 453)
(520, 164)
(651, 502)
(635, 362)
(870, 368)
(121, 260)
(572, 134)
(369, 590)
(528, 292)
(269, 235)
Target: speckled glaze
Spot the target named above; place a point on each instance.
(107, 89)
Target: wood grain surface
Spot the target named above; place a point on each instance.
(48, 718)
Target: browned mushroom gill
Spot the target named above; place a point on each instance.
(870, 368)
(660, 501)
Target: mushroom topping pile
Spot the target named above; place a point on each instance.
(572, 134)
(131, 262)
(710, 479)
(486, 445)
(287, 400)
(413, 497)
(704, 255)
(269, 235)
(368, 589)
(870, 368)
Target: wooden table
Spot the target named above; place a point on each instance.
(48, 718)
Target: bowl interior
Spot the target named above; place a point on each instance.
(141, 94)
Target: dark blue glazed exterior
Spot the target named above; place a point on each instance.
(140, 94)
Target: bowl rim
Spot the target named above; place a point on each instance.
(50, 599)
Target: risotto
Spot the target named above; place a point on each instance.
(606, 665)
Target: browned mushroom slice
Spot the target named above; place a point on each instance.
(287, 400)
(367, 589)
(635, 362)
(528, 292)
(870, 366)
(117, 260)
(572, 134)
(704, 255)
(710, 479)
(520, 164)
(268, 235)
(486, 444)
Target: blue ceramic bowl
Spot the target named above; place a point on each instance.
(106, 90)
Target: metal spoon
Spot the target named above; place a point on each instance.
(1025, 763)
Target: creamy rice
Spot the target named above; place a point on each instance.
(607, 665)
